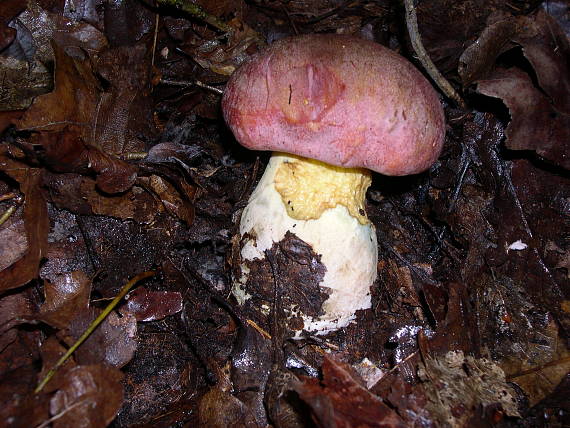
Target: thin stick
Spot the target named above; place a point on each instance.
(415, 38)
(189, 84)
(92, 327)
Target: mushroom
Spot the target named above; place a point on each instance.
(332, 108)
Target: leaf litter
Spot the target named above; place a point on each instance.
(115, 161)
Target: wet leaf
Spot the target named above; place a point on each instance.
(113, 343)
(342, 401)
(67, 296)
(37, 225)
(148, 305)
(89, 397)
(14, 241)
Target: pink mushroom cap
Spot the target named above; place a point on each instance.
(338, 99)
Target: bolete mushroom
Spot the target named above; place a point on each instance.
(332, 108)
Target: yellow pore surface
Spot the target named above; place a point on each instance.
(309, 187)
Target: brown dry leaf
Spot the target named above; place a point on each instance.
(65, 298)
(125, 112)
(535, 123)
(148, 305)
(218, 408)
(543, 43)
(37, 227)
(171, 199)
(112, 343)
(547, 363)
(89, 397)
(73, 101)
(51, 351)
(13, 238)
(136, 204)
(478, 59)
(341, 401)
(13, 308)
(66, 151)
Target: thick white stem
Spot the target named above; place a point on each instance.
(348, 250)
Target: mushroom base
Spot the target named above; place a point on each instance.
(317, 271)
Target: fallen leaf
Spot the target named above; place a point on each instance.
(65, 298)
(73, 101)
(113, 342)
(36, 221)
(148, 305)
(171, 200)
(9, 9)
(14, 241)
(89, 397)
(458, 387)
(547, 362)
(342, 401)
(535, 123)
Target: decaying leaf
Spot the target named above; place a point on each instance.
(90, 397)
(36, 222)
(148, 305)
(458, 386)
(342, 401)
(113, 343)
(67, 296)
(547, 363)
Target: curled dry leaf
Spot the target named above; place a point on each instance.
(148, 305)
(124, 114)
(535, 123)
(342, 401)
(89, 397)
(171, 199)
(67, 151)
(540, 118)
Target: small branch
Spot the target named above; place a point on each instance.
(197, 12)
(187, 84)
(415, 38)
(92, 328)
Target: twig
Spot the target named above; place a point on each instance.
(92, 327)
(444, 85)
(197, 12)
(188, 84)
